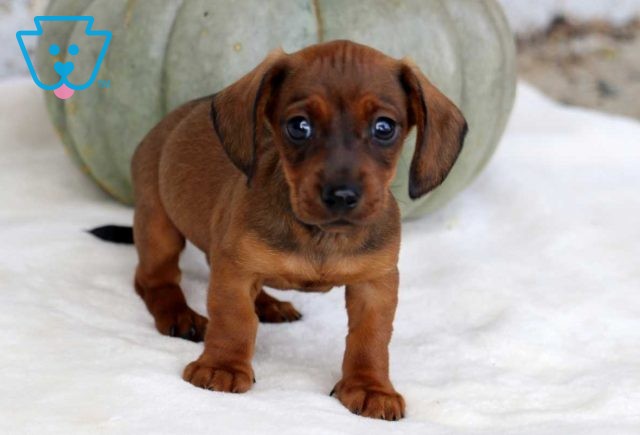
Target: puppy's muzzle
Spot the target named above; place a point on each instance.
(342, 198)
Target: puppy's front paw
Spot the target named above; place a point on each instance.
(370, 400)
(215, 378)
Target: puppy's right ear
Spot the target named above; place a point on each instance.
(238, 111)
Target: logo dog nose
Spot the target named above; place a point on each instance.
(340, 198)
(64, 69)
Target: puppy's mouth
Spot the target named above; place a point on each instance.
(337, 226)
(340, 225)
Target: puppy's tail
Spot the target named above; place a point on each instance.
(114, 234)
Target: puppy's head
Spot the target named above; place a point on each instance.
(337, 114)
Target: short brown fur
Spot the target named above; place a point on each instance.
(223, 173)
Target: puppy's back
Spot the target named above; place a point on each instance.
(182, 167)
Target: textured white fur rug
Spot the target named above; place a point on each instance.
(519, 303)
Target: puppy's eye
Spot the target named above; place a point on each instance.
(299, 128)
(384, 130)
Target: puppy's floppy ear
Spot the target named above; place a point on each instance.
(238, 111)
(441, 131)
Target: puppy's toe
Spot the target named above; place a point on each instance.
(181, 321)
(370, 401)
(215, 378)
(277, 312)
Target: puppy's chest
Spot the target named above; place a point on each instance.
(317, 266)
(295, 272)
(319, 274)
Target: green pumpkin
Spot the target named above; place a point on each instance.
(164, 53)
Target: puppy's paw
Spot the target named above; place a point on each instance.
(181, 321)
(277, 312)
(217, 378)
(370, 401)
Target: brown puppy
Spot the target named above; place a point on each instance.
(282, 179)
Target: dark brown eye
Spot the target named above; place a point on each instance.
(299, 128)
(384, 130)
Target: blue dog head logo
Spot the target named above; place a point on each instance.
(64, 88)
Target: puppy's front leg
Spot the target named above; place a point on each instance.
(365, 387)
(225, 363)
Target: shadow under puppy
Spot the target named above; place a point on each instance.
(282, 180)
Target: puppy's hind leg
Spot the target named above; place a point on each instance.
(157, 280)
(272, 310)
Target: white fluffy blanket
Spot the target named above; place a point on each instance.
(519, 303)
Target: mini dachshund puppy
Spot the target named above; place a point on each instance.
(282, 180)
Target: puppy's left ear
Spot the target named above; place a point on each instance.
(238, 112)
(441, 131)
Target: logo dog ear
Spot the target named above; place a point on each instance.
(238, 111)
(441, 131)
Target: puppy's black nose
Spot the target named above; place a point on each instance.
(340, 198)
